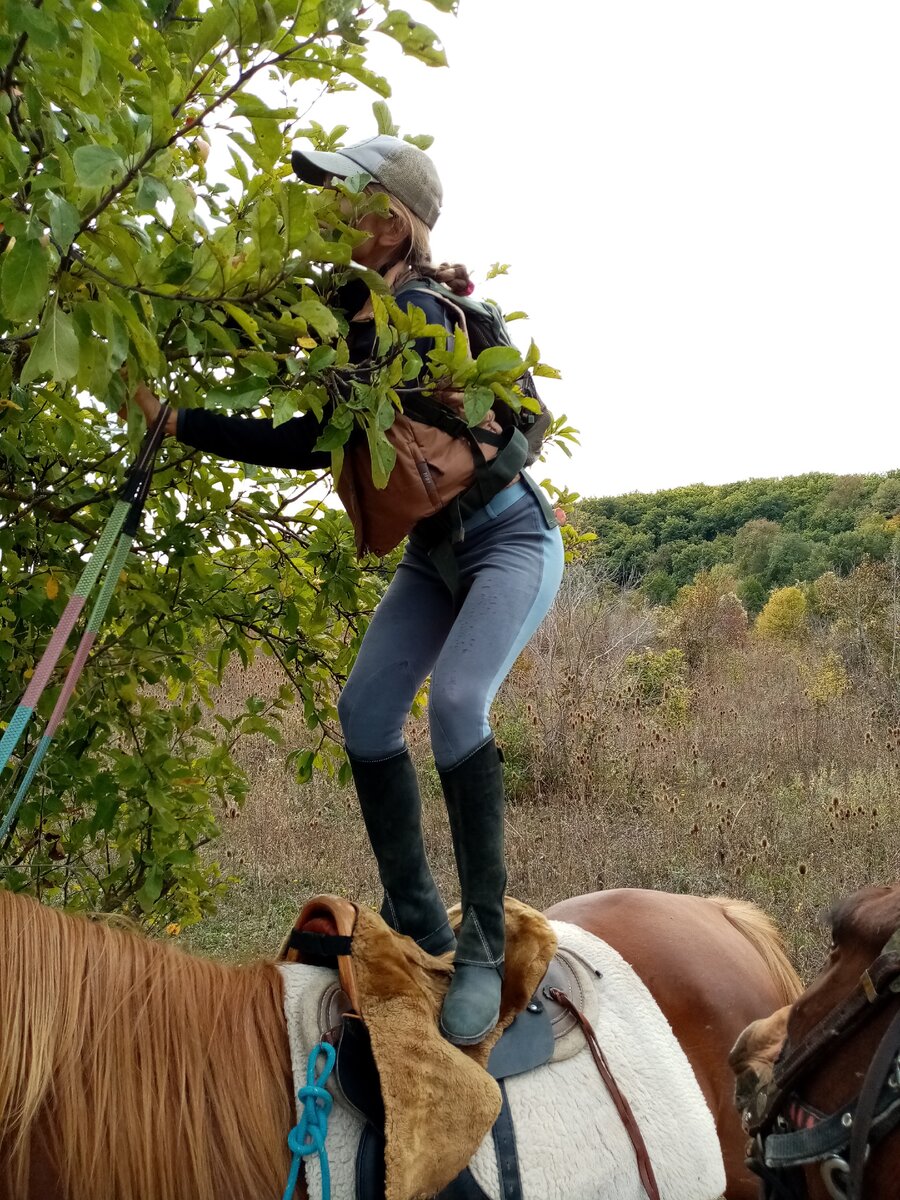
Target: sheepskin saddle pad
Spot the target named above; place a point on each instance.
(559, 1134)
(430, 1103)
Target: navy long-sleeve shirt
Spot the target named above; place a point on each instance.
(256, 440)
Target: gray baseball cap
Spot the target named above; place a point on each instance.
(401, 168)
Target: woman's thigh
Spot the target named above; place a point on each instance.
(398, 651)
(515, 570)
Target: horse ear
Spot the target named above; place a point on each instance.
(755, 1053)
(871, 915)
(762, 1041)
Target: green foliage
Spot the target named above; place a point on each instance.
(861, 612)
(829, 681)
(708, 616)
(121, 257)
(660, 679)
(784, 616)
(771, 532)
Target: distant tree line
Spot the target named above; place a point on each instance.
(770, 533)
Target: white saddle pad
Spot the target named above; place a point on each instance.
(571, 1142)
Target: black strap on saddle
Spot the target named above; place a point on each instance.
(319, 947)
(526, 1044)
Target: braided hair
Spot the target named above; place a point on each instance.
(418, 253)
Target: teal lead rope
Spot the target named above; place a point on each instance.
(308, 1135)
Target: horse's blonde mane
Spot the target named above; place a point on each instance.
(130, 1070)
(761, 932)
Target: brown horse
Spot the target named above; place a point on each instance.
(834, 1053)
(132, 1071)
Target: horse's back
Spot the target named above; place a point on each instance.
(684, 948)
(707, 976)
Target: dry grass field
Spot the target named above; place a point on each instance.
(751, 773)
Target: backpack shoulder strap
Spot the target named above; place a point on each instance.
(443, 296)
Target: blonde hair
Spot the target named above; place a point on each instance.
(418, 254)
(134, 1070)
(418, 250)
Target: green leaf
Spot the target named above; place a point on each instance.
(90, 60)
(303, 765)
(416, 39)
(150, 192)
(152, 889)
(284, 407)
(545, 371)
(498, 359)
(320, 359)
(477, 402)
(249, 325)
(248, 105)
(334, 435)
(55, 351)
(383, 118)
(321, 318)
(96, 165)
(382, 454)
(23, 285)
(245, 394)
(213, 27)
(65, 221)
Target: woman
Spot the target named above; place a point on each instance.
(509, 565)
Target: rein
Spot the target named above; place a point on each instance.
(840, 1141)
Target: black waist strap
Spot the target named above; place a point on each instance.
(439, 534)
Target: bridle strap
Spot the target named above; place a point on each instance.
(879, 1071)
(877, 985)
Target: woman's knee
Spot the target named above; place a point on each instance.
(372, 728)
(458, 724)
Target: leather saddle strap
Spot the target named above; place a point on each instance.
(645, 1167)
(882, 1064)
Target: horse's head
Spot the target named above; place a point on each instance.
(827, 1070)
(860, 927)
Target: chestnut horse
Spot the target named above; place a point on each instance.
(130, 1070)
(819, 1081)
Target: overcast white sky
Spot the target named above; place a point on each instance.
(700, 201)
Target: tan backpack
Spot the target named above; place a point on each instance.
(435, 464)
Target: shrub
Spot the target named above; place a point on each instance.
(784, 616)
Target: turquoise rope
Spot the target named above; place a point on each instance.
(40, 750)
(309, 1134)
(13, 732)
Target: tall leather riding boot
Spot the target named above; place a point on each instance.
(474, 793)
(392, 810)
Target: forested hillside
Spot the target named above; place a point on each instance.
(771, 532)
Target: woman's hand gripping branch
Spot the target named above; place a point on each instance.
(149, 404)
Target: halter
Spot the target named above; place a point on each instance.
(789, 1133)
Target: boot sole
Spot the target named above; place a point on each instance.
(458, 1039)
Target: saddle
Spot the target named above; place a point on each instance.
(532, 1023)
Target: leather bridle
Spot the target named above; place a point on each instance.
(789, 1134)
